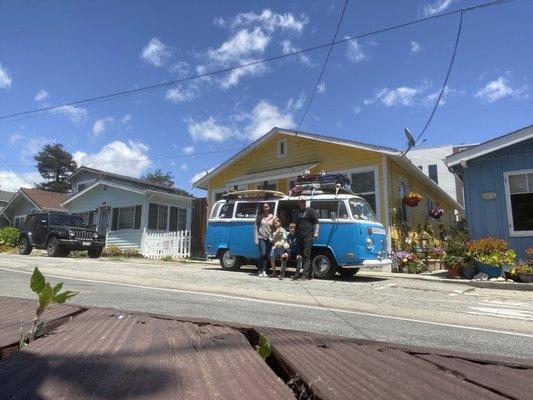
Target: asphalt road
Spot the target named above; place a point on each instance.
(278, 309)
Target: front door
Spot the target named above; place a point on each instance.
(103, 220)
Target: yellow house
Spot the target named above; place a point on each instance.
(382, 175)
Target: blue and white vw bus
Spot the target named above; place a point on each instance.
(350, 238)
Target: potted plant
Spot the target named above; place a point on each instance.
(491, 255)
(524, 272)
(412, 199)
(436, 213)
(454, 265)
(403, 259)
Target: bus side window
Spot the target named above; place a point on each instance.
(343, 212)
(246, 210)
(214, 212)
(226, 211)
(328, 209)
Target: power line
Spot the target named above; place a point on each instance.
(92, 100)
(323, 68)
(445, 83)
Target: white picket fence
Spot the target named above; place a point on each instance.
(159, 245)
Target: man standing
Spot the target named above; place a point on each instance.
(306, 231)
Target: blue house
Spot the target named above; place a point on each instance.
(498, 188)
(124, 208)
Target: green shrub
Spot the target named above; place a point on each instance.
(167, 258)
(9, 236)
(112, 251)
(491, 251)
(131, 253)
(78, 254)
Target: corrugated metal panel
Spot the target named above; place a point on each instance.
(114, 355)
(19, 313)
(339, 368)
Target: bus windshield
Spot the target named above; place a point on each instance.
(361, 210)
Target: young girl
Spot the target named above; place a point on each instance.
(263, 236)
(279, 246)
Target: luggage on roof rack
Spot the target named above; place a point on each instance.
(321, 183)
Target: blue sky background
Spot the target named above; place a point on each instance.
(58, 51)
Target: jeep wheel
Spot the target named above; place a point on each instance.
(53, 248)
(348, 272)
(229, 262)
(25, 247)
(323, 264)
(94, 253)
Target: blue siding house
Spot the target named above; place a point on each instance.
(498, 188)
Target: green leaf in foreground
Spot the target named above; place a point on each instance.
(265, 348)
(57, 288)
(46, 296)
(37, 281)
(63, 297)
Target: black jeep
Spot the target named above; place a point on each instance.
(59, 234)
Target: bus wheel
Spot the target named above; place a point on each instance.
(348, 272)
(228, 261)
(323, 264)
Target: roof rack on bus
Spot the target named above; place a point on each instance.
(253, 193)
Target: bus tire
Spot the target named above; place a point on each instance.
(323, 264)
(348, 272)
(229, 262)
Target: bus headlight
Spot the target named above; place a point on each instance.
(369, 243)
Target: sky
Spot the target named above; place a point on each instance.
(56, 52)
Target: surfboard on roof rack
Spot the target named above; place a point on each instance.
(321, 183)
(253, 193)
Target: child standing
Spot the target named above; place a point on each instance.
(292, 252)
(279, 246)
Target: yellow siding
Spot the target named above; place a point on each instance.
(329, 157)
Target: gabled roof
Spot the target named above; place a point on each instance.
(46, 201)
(127, 179)
(6, 196)
(490, 146)
(202, 182)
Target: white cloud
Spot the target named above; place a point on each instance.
(241, 44)
(266, 116)
(321, 88)
(75, 114)
(430, 99)
(293, 105)
(209, 130)
(122, 158)
(188, 150)
(5, 79)
(184, 167)
(269, 20)
(15, 137)
(100, 125)
(41, 96)
(200, 174)
(287, 47)
(126, 119)
(415, 47)
(436, 7)
(499, 89)
(354, 51)
(12, 181)
(34, 145)
(156, 53)
(356, 109)
(403, 95)
(178, 94)
(181, 69)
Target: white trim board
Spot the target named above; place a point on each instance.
(510, 222)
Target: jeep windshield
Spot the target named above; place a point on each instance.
(66, 220)
(361, 210)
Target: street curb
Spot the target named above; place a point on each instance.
(523, 287)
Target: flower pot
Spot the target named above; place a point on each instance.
(468, 272)
(526, 277)
(454, 272)
(490, 270)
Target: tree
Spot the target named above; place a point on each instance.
(160, 178)
(55, 164)
(166, 179)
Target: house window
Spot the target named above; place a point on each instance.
(157, 217)
(162, 215)
(364, 184)
(432, 172)
(267, 185)
(282, 148)
(519, 188)
(126, 218)
(18, 221)
(81, 186)
(177, 219)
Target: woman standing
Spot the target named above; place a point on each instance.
(263, 237)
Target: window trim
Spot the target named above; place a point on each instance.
(86, 182)
(118, 219)
(374, 168)
(270, 182)
(168, 206)
(110, 226)
(510, 222)
(15, 217)
(278, 148)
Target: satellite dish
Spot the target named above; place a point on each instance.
(410, 138)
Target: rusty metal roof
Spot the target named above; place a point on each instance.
(339, 368)
(19, 313)
(116, 355)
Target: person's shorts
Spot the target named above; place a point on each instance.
(277, 251)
